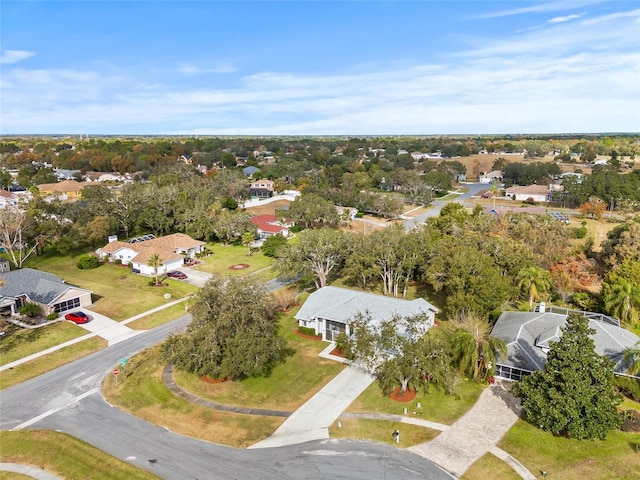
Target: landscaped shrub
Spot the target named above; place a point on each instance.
(118, 261)
(628, 386)
(52, 316)
(359, 214)
(272, 244)
(308, 331)
(30, 310)
(88, 262)
(295, 229)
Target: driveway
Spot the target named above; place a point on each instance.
(197, 278)
(103, 326)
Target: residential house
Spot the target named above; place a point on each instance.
(47, 290)
(65, 190)
(250, 171)
(330, 310)
(262, 188)
(105, 177)
(269, 225)
(490, 177)
(173, 250)
(535, 193)
(8, 199)
(528, 336)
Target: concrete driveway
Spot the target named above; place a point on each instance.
(107, 328)
(195, 277)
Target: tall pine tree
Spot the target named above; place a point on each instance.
(574, 394)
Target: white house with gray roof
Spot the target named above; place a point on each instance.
(47, 290)
(528, 336)
(330, 310)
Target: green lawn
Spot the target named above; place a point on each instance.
(289, 385)
(225, 256)
(380, 431)
(41, 365)
(65, 456)
(22, 342)
(117, 292)
(615, 458)
(490, 466)
(158, 318)
(436, 405)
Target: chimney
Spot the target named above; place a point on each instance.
(112, 238)
(542, 307)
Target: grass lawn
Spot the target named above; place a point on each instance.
(380, 431)
(612, 459)
(437, 406)
(13, 476)
(108, 282)
(22, 342)
(290, 384)
(41, 365)
(163, 316)
(65, 456)
(490, 466)
(141, 392)
(227, 255)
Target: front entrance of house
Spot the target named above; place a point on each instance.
(333, 329)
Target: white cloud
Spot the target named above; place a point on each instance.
(539, 7)
(14, 56)
(189, 69)
(566, 18)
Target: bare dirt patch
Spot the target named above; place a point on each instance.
(269, 208)
(239, 266)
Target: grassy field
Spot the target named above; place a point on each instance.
(289, 385)
(107, 283)
(163, 316)
(141, 392)
(380, 431)
(41, 365)
(64, 456)
(22, 342)
(490, 466)
(225, 256)
(616, 458)
(436, 405)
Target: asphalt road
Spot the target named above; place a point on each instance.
(68, 399)
(473, 189)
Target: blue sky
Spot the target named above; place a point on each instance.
(319, 68)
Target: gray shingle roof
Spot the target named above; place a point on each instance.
(341, 305)
(528, 336)
(41, 287)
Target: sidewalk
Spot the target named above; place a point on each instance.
(313, 419)
(98, 332)
(28, 470)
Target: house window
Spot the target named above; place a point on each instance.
(511, 373)
(67, 305)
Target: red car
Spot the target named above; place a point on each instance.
(77, 317)
(177, 274)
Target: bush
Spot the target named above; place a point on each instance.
(118, 261)
(630, 387)
(308, 331)
(359, 214)
(52, 316)
(295, 229)
(579, 232)
(272, 244)
(88, 262)
(30, 310)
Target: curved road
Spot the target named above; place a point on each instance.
(473, 189)
(68, 399)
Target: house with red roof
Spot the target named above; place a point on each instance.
(269, 225)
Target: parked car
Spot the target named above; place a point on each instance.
(77, 317)
(177, 274)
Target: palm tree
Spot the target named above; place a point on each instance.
(155, 261)
(474, 349)
(633, 355)
(534, 281)
(622, 300)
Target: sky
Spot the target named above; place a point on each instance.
(319, 67)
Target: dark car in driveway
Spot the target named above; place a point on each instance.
(177, 274)
(77, 317)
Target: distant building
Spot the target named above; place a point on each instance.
(65, 190)
(269, 225)
(262, 188)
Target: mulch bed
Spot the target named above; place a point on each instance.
(239, 266)
(631, 421)
(206, 379)
(399, 396)
(304, 335)
(337, 352)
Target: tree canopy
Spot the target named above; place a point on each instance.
(574, 394)
(233, 333)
